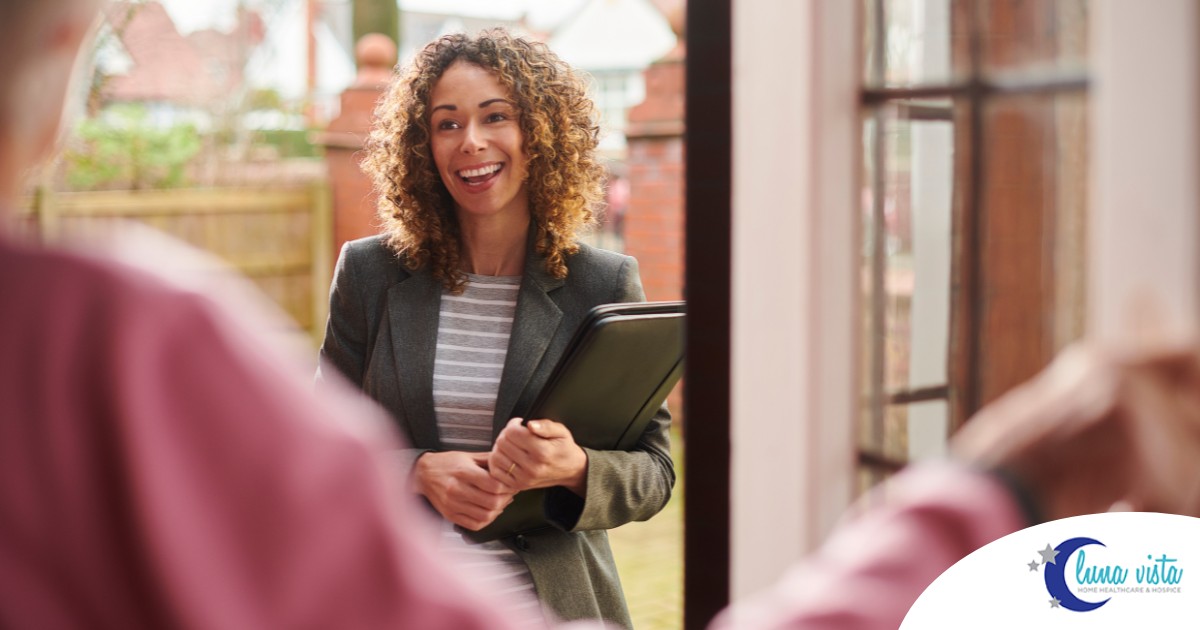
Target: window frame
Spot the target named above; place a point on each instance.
(974, 93)
(1152, 252)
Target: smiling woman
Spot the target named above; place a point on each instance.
(483, 152)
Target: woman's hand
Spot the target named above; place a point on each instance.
(459, 487)
(540, 454)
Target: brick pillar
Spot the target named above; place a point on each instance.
(654, 222)
(353, 198)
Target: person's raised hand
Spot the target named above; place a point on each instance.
(540, 454)
(1162, 408)
(1099, 426)
(459, 487)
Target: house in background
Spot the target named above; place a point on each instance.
(201, 75)
(614, 41)
(418, 28)
(143, 58)
(190, 75)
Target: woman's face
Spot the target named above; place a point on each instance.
(477, 144)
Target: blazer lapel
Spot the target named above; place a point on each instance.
(413, 306)
(534, 324)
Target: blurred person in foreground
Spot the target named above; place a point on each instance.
(1101, 427)
(484, 156)
(158, 467)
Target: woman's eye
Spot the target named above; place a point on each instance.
(497, 117)
(447, 124)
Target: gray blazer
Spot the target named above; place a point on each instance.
(381, 334)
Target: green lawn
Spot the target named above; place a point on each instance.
(650, 559)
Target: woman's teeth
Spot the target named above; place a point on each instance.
(479, 172)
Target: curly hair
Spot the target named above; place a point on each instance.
(557, 121)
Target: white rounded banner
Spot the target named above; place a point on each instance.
(1113, 570)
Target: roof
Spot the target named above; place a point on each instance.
(614, 35)
(420, 28)
(166, 66)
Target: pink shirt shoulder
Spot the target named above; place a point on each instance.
(160, 469)
(875, 565)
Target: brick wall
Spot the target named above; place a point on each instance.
(654, 222)
(353, 197)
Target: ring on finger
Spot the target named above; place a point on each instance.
(510, 468)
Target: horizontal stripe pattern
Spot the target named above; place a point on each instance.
(497, 569)
(478, 318)
(472, 342)
(461, 348)
(467, 300)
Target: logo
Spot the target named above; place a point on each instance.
(1108, 571)
(1073, 579)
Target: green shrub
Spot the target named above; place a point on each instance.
(122, 148)
(289, 143)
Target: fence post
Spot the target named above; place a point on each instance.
(322, 255)
(46, 214)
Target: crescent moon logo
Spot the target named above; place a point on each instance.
(1056, 582)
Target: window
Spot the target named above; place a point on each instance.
(614, 92)
(974, 207)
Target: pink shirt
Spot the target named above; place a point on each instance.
(158, 469)
(874, 566)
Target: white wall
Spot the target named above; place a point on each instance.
(795, 278)
(1145, 193)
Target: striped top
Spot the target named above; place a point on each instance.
(472, 342)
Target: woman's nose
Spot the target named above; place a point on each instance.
(473, 140)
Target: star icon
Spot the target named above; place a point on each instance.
(1033, 565)
(1054, 603)
(1048, 554)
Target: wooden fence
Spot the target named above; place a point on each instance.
(281, 238)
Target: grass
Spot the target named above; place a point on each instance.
(650, 560)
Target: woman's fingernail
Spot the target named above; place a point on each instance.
(535, 425)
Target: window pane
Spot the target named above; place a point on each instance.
(914, 44)
(913, 227)
(911, 432)
(928, 425)
(1033, 35)
(1033, 235)
(906, 205)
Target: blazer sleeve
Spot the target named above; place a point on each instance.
(344, 349)
(622, 486)
(348, 334)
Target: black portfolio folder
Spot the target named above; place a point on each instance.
(614, 375)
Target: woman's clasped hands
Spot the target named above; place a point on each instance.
(472, 489)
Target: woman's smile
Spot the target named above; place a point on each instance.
(479, 178)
